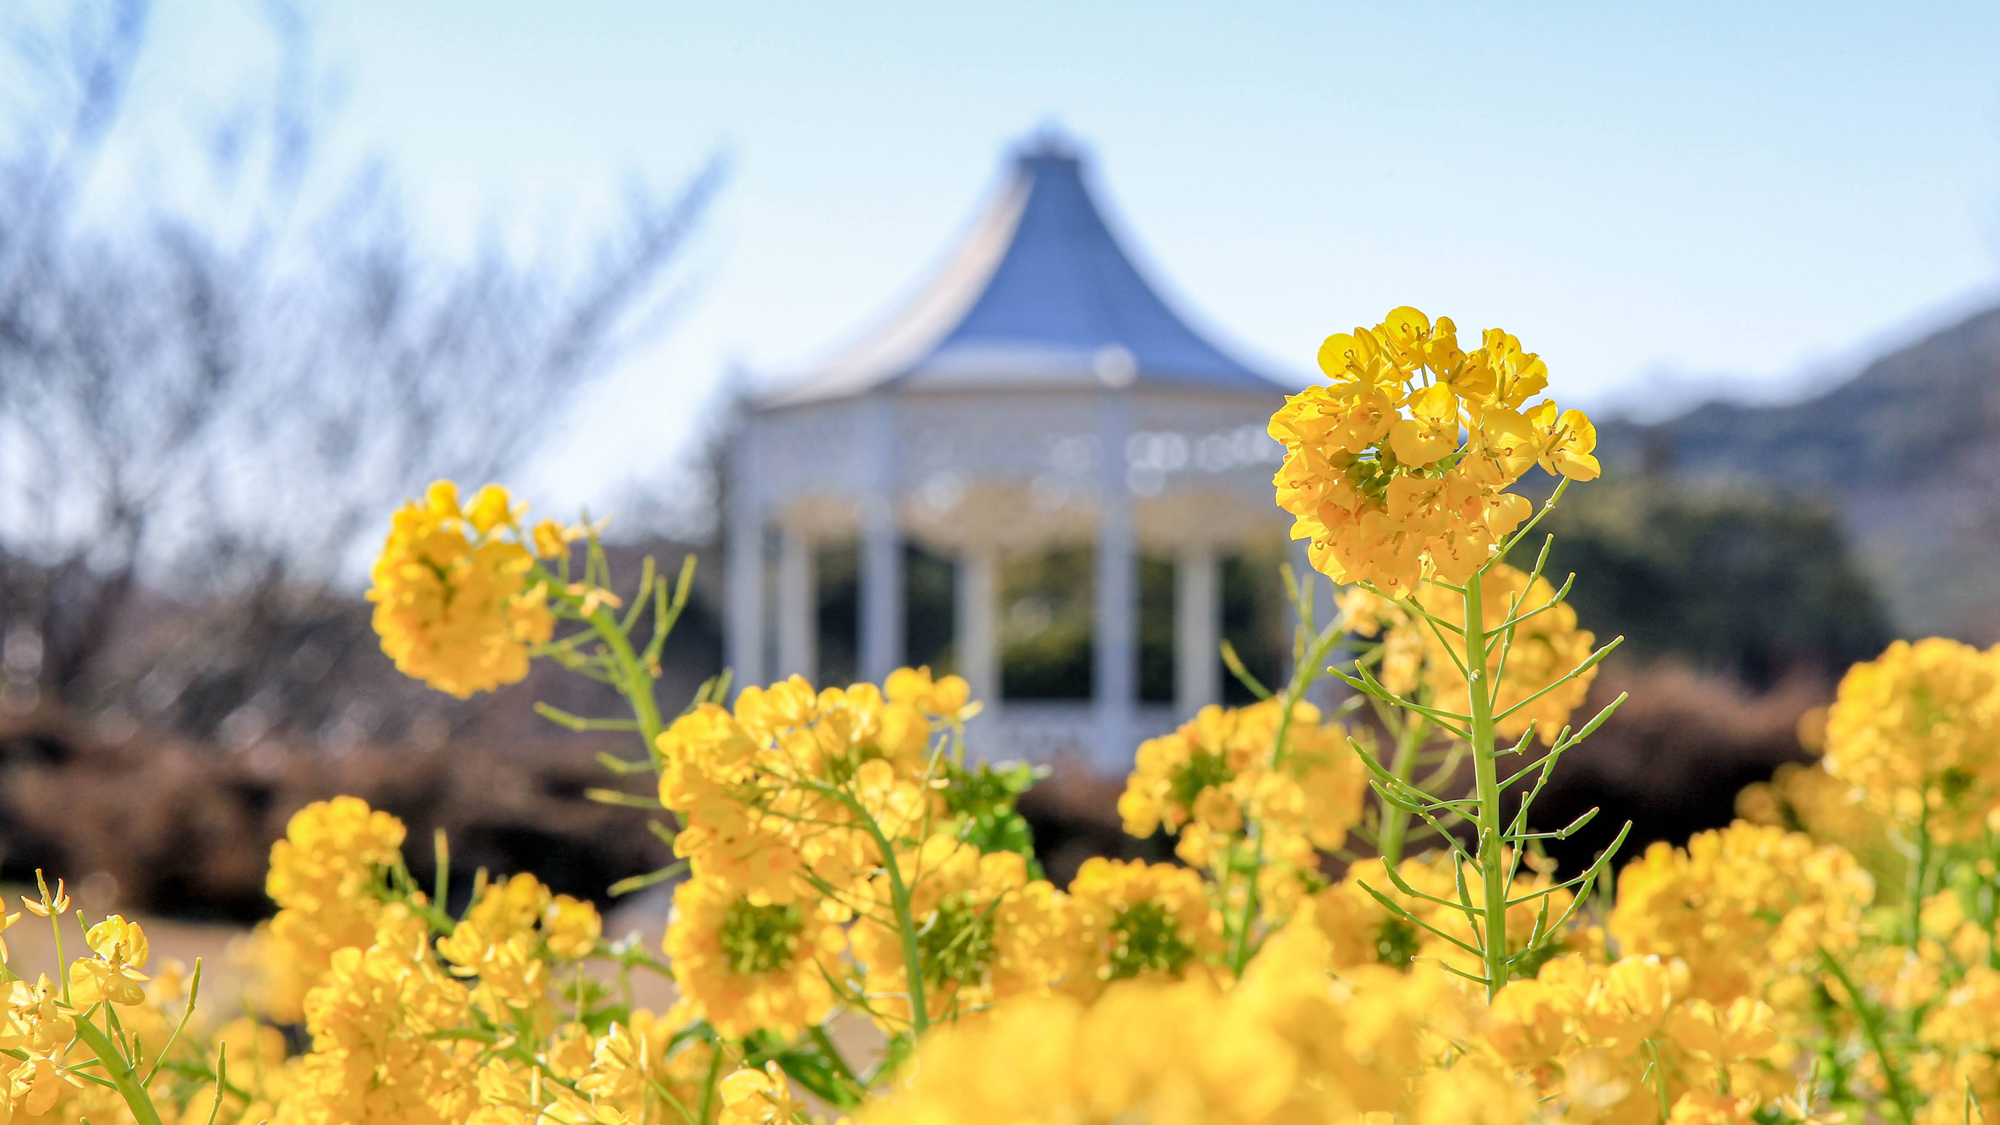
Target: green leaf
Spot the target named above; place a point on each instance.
(982, 799)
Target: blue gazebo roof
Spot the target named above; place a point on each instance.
(1038, 294)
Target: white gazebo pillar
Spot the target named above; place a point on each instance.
(880, 645)
(978, 625)
(743, 576)
(1197, 629)
(798, 607)
(881, 590)
(1115, 638)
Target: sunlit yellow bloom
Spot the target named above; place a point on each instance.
(1136, 919)
(1748, 908)
(113, 974)
(375, 1020)
(1917, 732)
(1804, 797)
(944, 697)
(1431, 430)
(571, 927)
(48, 905)
(770, 791)
(35, 1024)
(452, 604)
(985, 933)
(1397, 467)
(1223, 776)
(641, 1067)
(1566, 439)
(744, 965)
(757, 1097)
(321, 877)
(1288, 1045)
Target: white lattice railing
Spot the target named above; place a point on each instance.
(1043, 731)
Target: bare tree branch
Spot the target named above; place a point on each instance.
(215, 405)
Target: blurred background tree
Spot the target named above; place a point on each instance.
(212, 405)
(1745, 584)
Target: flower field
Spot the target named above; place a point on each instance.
(1360, 924)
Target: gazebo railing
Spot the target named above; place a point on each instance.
(1043, 731)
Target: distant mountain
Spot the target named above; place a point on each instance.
(1907, 452)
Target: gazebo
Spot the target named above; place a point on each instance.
(1036, 391)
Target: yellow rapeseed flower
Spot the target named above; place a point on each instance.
(757, 1097)
(1288, 1045)
(1398, 465)
(744, 965)
(986, 933)
(571, 927)
(768, 790)
(1222, 776)
(379, 1050)
(321, 877)
(1917, 732)
(1138, 919)
(113, 975)
(452, 602)
(1747, 908)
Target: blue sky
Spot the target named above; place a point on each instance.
(1655, 197)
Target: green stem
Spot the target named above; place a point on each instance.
(1486, 780)
(1871, 1027)
(899, 902)
(1828, 1048)
(913, 973)
(1304, 676)
(708, 1084)
(121, 1073)
(838, 1062)
(635, 681)
(1988, 904)
(1240, 949)
(1920, 863)
(1396, 821)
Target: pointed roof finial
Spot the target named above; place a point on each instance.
(1038, 293)
(1049, 141)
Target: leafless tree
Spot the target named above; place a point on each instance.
(210, 406)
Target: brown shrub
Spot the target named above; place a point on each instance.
(185, 829)
(1673, 757)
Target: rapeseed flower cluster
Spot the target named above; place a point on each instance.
(453, 603)
(1858, 898)
(1587, 1042)
(1233, 788)
(1397, 467)
(1748, 909)
(1803, 797)
(321, 876)
(829, 868)
(104, 1039)
(1916, 732)
(481, 1018)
